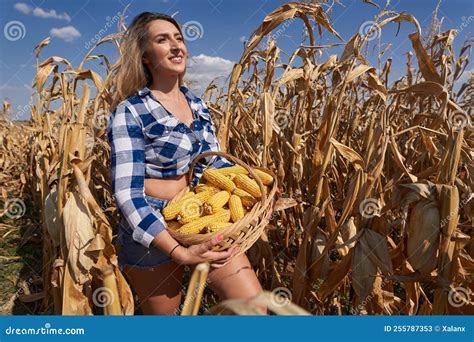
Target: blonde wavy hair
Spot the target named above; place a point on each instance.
(129, 74)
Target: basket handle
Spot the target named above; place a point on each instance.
(232, 159)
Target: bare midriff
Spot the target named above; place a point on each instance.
(165, 188)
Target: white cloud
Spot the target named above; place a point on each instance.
(23, 8)
(243, 39)
(41, 12)
(202, 69)
(67, 33)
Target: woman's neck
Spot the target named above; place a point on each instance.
(165, 86)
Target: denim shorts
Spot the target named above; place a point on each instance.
(135, 254)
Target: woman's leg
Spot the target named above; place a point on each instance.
(235, 280)
(158, 288)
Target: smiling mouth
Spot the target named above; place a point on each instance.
(176, 59)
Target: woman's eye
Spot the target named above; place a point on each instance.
(180, 38)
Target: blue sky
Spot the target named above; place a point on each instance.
(226, 24)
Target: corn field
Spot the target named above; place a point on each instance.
(375, 209)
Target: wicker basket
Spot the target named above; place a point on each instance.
(244, 232)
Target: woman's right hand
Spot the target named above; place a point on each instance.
(203, 253)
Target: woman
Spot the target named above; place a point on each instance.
(156, 129)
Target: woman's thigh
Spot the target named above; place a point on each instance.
(158, 288)
(235, 280)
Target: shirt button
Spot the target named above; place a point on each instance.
(182, 130)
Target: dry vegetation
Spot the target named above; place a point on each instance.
(378, 174)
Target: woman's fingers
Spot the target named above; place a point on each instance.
(207, 246)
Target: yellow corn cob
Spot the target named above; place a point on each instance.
(191, 212)
(216, 202)
(194, 227)
(233, 169)
(236, 208)
(247, 199)
(206, 187)
(264, 177)
(213, 177)
(244, 182)
(191, 209)
(216, 226)
(173, 209)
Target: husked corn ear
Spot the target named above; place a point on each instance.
(206, 187)
(233, 170)
(216, 202)
(247, 199)
(216, 226)
(215, 178)
(194, 227)
(236, 208)
(244, 182)
(264, 177)
(192, 208)
(203, 196)
(190, 213)
(174, 225)
(171, 211)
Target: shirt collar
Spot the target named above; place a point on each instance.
(194, 102)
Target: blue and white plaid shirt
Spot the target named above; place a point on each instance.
(149, 142)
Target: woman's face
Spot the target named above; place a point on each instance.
(166, 53)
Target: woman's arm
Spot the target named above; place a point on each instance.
(128, 175)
